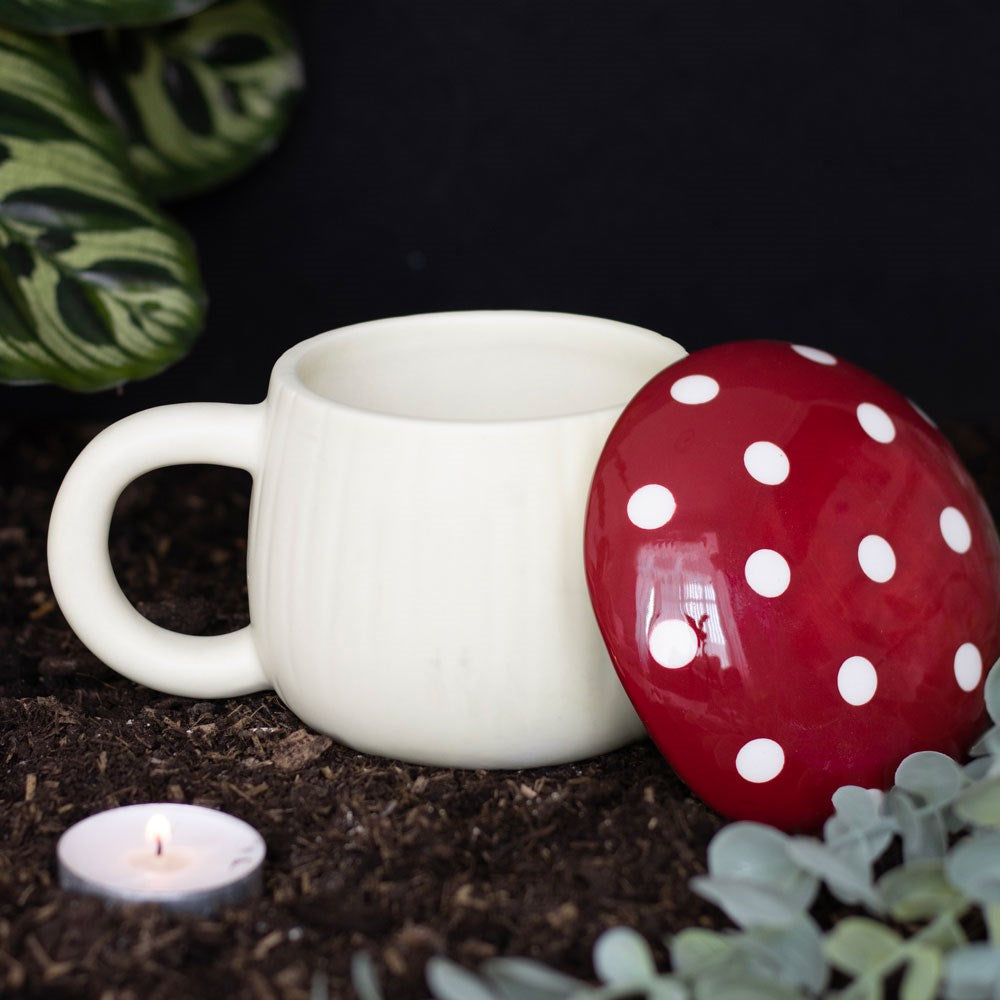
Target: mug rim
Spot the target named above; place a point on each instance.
(286, 370)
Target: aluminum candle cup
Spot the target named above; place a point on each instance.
(185, 858)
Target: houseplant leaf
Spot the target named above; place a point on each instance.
(973, 866)
(58, 17)
(858, 945)
(917, 891)
(622, 956)
(200, 101)
(527, 979)
(96, 285)
(449, 981)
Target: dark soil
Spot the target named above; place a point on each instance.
(363, 853)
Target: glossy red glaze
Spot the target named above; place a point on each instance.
(769, 680)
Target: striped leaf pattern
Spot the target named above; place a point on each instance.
(58, 17)
(198, 101)
(97, 286)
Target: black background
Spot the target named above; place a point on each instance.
(821, 172)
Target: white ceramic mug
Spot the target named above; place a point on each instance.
(414, 558)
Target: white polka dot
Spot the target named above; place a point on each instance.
(878, 561)
(876, 423)
(673, 643)
(760, 760)
(814, 354)
(766, 462)
(857, 680)
(767, 573)
(694, 389)
(921, 413)
(955, 530)
(651, 506)
(968, 666)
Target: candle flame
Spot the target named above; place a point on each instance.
(158, 832)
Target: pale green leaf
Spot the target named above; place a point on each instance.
(973, 866)
(863, 989)
(980, 766)
(662, 988)
(696, 949)
(750, 851)
(858, 945)
(319, 988)
(858, 820)
(758, 854)
(791, 955)
(934, 778)
(972, 973)
(945, 933)
(987, 744)
(741, 987)
(917, 891)
(526, 979)
(449, 981)
(922, 975)
(922, 829)
(364, 978)
(849, 883)
(749, 904)
(859, 807)
(621, 955)
(991, 692)
(979, 804)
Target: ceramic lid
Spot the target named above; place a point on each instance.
(796, 578)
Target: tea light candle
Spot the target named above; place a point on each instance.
(185, 858)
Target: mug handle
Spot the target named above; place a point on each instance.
(80, 570)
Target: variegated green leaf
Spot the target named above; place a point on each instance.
(59, 17)
(97, 286)
(199, 101)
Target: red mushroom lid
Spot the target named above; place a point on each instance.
(796, 578)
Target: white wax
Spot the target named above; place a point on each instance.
(210, 858)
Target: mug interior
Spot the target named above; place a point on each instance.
(482, 366)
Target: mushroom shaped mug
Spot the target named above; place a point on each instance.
(798, 581)
(414, 566)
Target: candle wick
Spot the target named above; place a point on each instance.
(159, 846)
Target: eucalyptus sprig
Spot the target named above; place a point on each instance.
(909, 922)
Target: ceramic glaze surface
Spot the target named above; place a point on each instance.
(413, 558)
(797, 580)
